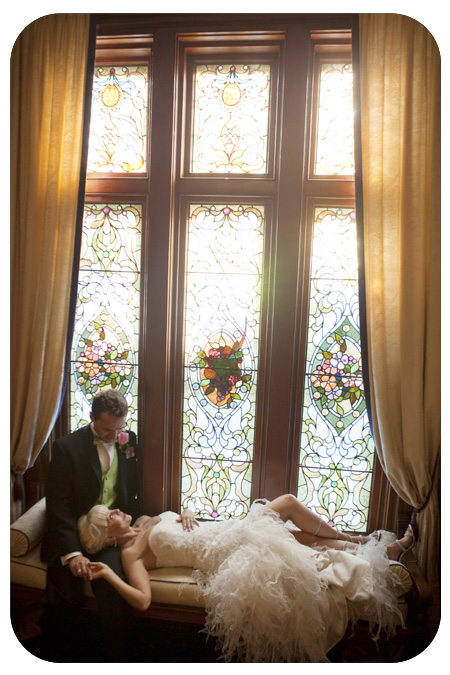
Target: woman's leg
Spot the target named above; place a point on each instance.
(394, 551)
(290, 508)
(311, 540)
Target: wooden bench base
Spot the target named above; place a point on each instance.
(174, 632)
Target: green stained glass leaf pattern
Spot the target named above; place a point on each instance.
(105, 342)
(337, 450)
(222, 324)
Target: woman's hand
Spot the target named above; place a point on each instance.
(187, 519)
(99, 570)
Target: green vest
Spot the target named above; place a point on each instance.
(110, 478)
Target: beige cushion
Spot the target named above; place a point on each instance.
(28, 530)
(175, 586)
(170, 585)
(401, 577)
(29, 570)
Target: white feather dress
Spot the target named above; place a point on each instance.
(269, 598)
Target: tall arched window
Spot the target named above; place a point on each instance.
(218, 279)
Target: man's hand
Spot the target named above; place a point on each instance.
(80, 567)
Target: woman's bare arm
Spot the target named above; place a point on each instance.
(137, 592)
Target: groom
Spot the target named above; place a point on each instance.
(96, 464)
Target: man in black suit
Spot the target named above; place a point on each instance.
(96, 464)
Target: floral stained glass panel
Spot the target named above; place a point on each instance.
(222, 331)
(335, 145)
(105, 342)
(337, 449)
(230, 119)
(119, 113)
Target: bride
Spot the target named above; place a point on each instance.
(270, 581)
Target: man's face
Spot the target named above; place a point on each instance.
(108, 426)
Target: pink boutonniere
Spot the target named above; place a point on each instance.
(123, 440)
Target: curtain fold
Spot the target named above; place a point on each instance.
(48, 78)
(400, 140)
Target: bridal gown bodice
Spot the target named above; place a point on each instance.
(175, 547)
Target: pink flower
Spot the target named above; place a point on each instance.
(123, 437)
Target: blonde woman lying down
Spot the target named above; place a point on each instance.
(271, 581)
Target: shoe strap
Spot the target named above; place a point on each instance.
(401, 546)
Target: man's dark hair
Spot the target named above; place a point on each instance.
(109, 400)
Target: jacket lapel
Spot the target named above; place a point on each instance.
(92, 454)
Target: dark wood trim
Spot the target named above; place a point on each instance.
(154, 433)
(167, 42)
(195, 24)
(277, 440)
(322, 51)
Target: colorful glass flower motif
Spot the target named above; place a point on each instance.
(221, 371)
(103, 361)
(338, 387)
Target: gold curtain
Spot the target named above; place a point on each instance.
(400, 138)
(48, 71)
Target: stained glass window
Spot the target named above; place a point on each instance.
(105, 342)
(230, 119)
(222, 326)
(118, 134)
(335, 146)
(337, 449)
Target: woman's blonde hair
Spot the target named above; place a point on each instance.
(93, 528)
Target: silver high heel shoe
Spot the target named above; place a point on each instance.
(410, 534)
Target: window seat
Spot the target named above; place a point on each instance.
(174, 591)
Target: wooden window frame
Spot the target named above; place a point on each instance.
(325, 50)
(266, 52)
(163, 193)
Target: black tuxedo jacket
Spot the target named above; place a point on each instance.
(74, 482)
